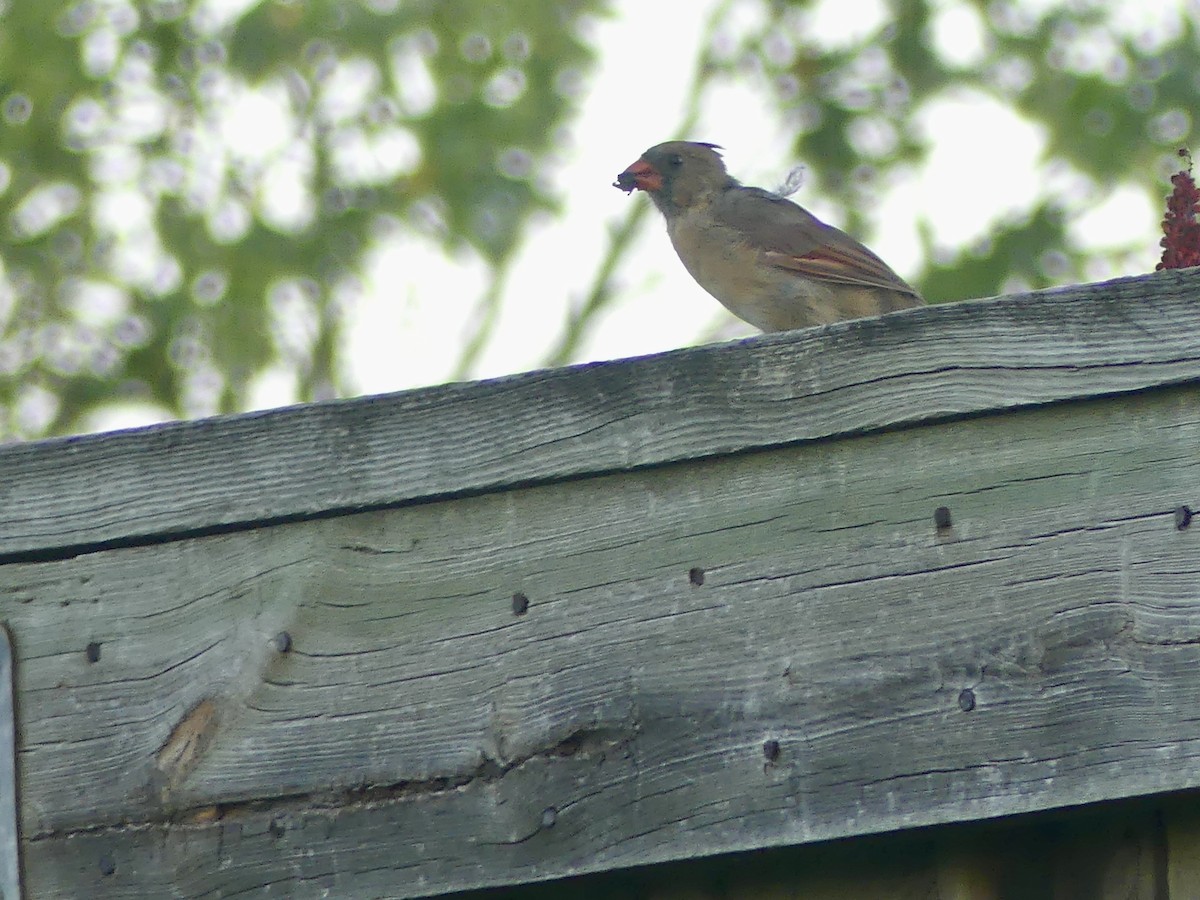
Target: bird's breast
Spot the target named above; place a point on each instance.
(733, 270)
(718, 257)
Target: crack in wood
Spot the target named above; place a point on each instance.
(193, 735)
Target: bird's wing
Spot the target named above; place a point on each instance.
(792, 238)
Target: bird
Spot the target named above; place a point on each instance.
(768, 260)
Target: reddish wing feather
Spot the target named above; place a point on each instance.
(845, 265)
(796, 240)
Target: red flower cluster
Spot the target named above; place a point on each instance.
(1181, 230)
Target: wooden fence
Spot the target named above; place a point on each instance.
(924, 570)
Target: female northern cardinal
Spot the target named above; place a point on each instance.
(767, 260)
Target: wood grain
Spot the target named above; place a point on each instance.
(63, 497)
(419, 737)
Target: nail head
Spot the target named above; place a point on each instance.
(520, 604)
(966, 700)
(93, 652)
(1183, 517)
(696, 576)
(282, 642)
(771, 750)
(941, 517)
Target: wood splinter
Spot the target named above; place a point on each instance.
(187, 743)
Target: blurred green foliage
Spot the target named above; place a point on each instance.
(1115, 104)
(188, 195)
(145, 254)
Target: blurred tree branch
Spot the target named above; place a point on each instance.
(599, 294)
(188, 198)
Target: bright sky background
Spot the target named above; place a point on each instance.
(416, 317)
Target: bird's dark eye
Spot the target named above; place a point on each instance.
(675, 160)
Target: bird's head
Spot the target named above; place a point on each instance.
(676, 175)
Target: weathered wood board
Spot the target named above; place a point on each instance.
(721, 652)
(1119, 850)
(922, 365)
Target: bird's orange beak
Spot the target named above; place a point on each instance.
(640, 176)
